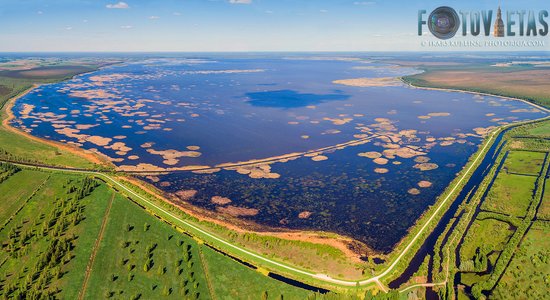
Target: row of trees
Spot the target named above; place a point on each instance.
(33, 282)
(7, 170)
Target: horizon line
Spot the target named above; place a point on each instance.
(278, 51)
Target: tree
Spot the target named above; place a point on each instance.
(166, 291)
(147, 265)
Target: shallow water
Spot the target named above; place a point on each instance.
(171, 113)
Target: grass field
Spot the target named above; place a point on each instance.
(502, 250)
(527, 276)
(131, 240)
(510, 194)
(524, 162)
(229, 280)
(489, 234)
(39, 244)
(313, 256)
(13, 198)
(87, 232)
(542, 130)
(71, 224)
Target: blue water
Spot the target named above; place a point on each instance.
(237, 109)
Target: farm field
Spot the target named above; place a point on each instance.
(543, 130)
(41, 241)
(12, 198)
(145, 258)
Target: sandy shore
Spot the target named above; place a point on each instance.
(8, 109)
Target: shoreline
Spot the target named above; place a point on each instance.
(341, 243)
(402, 78)
(10, 116)
(241, 226)
(302, 235)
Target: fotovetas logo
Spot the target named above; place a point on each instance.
(444, 22)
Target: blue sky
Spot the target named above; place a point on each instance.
(225, 25)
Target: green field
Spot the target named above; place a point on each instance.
(143, 256)
(230, 279)
(39, 241)
(483, 237)
(510, 194)
(527, 276)
(12, 198)
(542, 130)
(524, 162)
(76, 238)
(505, 248)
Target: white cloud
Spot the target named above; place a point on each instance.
(176, 13)
(126, 26)
(268, 11)
(68, 28)
(39, 12)
(240, 1)
(154, 17)
(364, 2)
(119, 5)
(323, 11)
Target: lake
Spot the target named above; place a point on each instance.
(319, 143)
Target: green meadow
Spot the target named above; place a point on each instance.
(74, 237)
